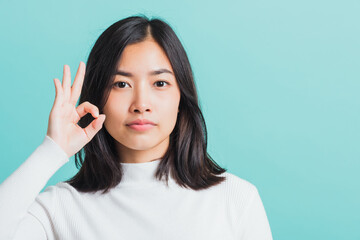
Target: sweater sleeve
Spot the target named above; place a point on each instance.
(255, 221)
(19, 190)
(30, 229)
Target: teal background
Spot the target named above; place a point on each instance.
(278, 83)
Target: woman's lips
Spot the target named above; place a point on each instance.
(141, 127)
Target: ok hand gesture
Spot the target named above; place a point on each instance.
(64, 116)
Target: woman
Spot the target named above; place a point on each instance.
(146, 173)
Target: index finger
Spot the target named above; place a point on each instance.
(78, 82)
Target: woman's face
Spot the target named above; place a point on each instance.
(143, 88)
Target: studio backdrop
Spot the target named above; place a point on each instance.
(278, 83)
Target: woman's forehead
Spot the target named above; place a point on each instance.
(147, 55)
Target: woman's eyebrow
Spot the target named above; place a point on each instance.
(155, 72)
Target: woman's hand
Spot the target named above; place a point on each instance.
(64, 116)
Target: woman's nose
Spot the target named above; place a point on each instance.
(140, 108)
(141, 101)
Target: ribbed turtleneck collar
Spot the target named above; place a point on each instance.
(139, 173)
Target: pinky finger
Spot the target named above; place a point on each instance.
(59, 92)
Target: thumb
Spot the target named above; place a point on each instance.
(95, 126)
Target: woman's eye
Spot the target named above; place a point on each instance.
(123, 84)
(120, 84)
(161, 85)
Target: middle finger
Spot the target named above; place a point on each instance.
(78, 82)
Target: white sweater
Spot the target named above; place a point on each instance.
(140, 207)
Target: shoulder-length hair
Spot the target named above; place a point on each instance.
(186, 158)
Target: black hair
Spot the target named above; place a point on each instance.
(186, 157)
